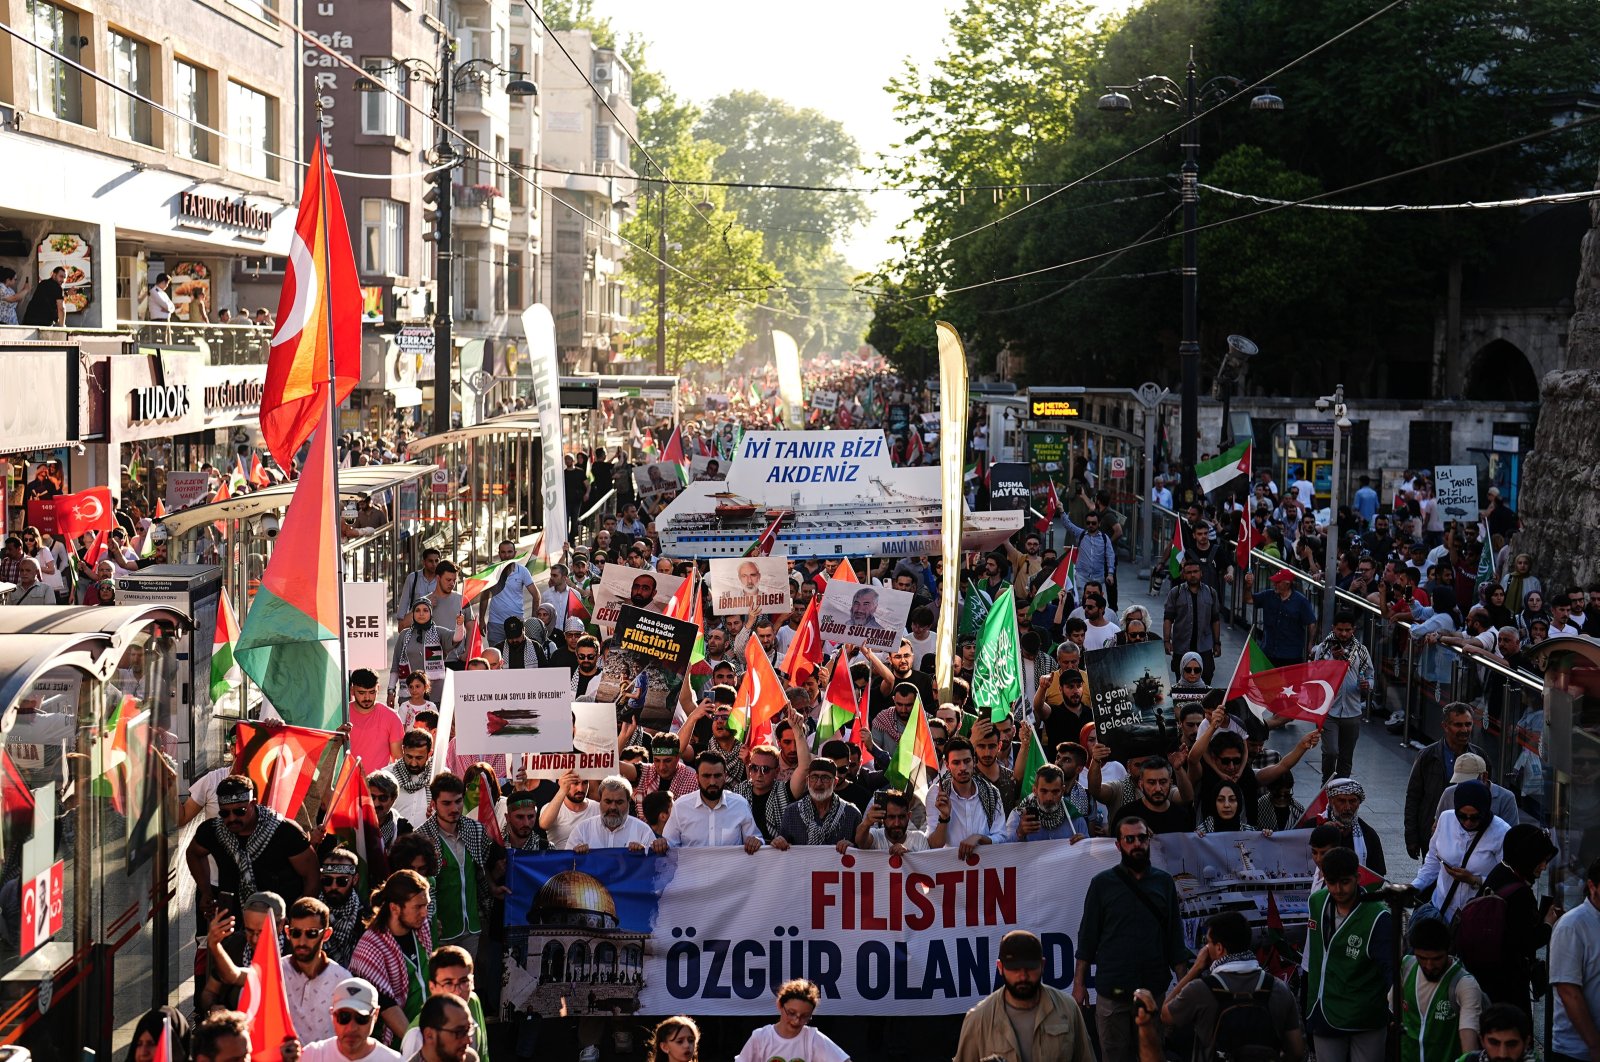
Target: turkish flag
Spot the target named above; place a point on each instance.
(280, 760)
(1299, 691)
(760, 698)
(264, 1001)
(805, 648)
(87, 510)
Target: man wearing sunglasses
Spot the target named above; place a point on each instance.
(354, 1010)
(447, 1030)
(450, 973)
(344, 904)
(255, 849)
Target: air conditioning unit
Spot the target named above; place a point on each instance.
(602, 71)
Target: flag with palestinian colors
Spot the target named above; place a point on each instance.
(225, 673)
(289, 643)
(1060, 579)
(1175, 554)
(353, 819)
(839, 705)
(673, 454)
(487, 578)
(997, 667)
(915, 763)
(1223, 469)
(685, 605)
(762, 546)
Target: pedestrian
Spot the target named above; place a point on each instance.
(354, 1012)
(1024, 1018)
(792, 1036)
(1439, 1000)
(393, 950)
(463, 854)
(1506, 1034)
(450, 973)
(508, 595)
(710, 816)
(447, 1030)
(372, 730)
(1288, 620)
(160, 301)
(1342, 728)
(1344, 799)
(1131, 935)
(1431, 771)
(419, 583)
(1192, 622)
(1465, 846)
(1045, 814)
(1503, 953)
(254, 848)
(1227, 977)
(1348, 963)
(675, 1039)
(820, 816)
(224, 1036)
(1575, 976)
(48, 307)
(1470, 767)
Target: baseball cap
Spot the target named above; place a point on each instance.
(354, 993)
(1283, 575)
(1469, 768)
(1021, 950)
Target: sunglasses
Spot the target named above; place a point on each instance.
(587, 657)
(759, 768)
(302, 934)
(239, 811)
(350, 1017)
(1464, 817)
(1230, 761)
(337, 881)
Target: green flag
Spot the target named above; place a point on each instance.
(1031, 765)
(1485, 559)
(974, 610)
(997, 669)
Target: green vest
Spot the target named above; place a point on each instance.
(1344, 982)
(457, 889)
(1436, 1035)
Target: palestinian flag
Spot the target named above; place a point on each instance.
(762, 546)
(290, 641)
(1063, 577)
(281, 761)
(487, 578)
(1224, 468)
(353, 818)
(225, 674)
(915, 762)
(839, 705)
(685, 605)
(805, 648)
(674, 455)
(1175, 554)
(1299, 691)
(755, 395)
(1277, 956)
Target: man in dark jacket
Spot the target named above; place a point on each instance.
(1431, 773)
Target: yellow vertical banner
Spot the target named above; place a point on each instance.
(952, 448)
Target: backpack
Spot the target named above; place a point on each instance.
(1479, 929)
(1244, 1031)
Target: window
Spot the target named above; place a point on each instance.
(57, 88)
(382, 114)
(602, 141)
(472, 166)
(471, 267)
(130, 71)
(500, 285)
(383, 235)
(514, 177)
(252, 117)
(514, 291)
(191, 98)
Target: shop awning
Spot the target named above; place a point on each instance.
(354, 483)
(35, 639)
(514, 423)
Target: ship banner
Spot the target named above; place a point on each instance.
(857, 614)
(714, 931)
(621, 585)
(512, 711)
(751, 584)
(646, 666)
(1128, 693)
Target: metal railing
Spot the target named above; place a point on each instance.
(227, 344)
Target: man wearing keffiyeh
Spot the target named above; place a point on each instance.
(339, 892)
(822, 817)
(1345, 796)
(254, 847)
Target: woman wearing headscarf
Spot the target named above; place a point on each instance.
(1520, 580)
(418, 640)
(1532, 609)
(1492, 596)
(1189, 681)
(1224, 811)
(1467, 844)
(1524, 855)
(147, 1035)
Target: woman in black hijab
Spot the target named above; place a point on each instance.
(1526, 852)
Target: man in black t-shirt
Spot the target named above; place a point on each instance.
(1155, 804)
(256, 850)
(48, 305)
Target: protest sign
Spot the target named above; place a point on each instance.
(826, 401)
(738, 585)
(772, 465)
(1455, 491)
(1010, 486)
(594, 746)
(852, 614)
(510, 711)
(366, 626)
(646, 666)
(1128, 692)
(187, 488)
(655, 478)
(706, 467)
(621, 585)
(918, 934)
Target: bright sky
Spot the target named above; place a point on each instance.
(833, 55)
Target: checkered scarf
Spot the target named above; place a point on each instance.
(818, 831)
(346, 928)
(988, 795)
(474, 838)
(267, 822)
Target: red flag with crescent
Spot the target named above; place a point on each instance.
(87, 510)
(320, 301)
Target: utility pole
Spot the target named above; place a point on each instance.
(661, 284)
(444, 256)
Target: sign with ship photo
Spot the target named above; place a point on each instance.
(1128, 692)
(644, 670)
(857, 614)
(621, 585)
(832, 493)
(737, 586)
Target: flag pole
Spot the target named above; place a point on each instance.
(324, 175)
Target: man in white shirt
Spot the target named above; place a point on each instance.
(710, 817)
(886, 826)
(560, 817)
(354, 1011)
(161, 305)
(558, 595)
(1102, 632)
(309, 976)
(614, 827)
(507, 600)
(1302, 486)
(964, 806)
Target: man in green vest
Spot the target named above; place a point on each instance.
(1348, 959)
(463, 853)
(1507, 1034)
(1439, 1000)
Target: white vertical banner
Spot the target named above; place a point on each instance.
(786, 356)
(540, 329)
(366, 627)
(952, 449)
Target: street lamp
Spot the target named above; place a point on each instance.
(1234, 364)
(438, 200)
(1335, 407)
(1187, 97)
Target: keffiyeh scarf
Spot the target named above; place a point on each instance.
(406, 779)
(988, 795)
(244, 858)
(819, 831)
(429, 636)
(474, 838)
(346, 928)
(1349, 787)
(1049, 818)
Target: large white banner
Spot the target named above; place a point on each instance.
(714, 931)
(540, 329)
(366, 627)
(514, 710)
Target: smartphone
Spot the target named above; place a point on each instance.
(1545, 904)
(881, 799)
(227, 901)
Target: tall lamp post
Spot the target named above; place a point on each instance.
(1188, 96)
(446, 78)
(1335, 407)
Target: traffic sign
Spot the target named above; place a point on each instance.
(1119, 468)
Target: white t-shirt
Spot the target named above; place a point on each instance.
(560, 832)
(916, 840)
(328, 1051)
(310, 998)
(592, 832)
(1305, 490)
(921, 647)
(203, 791)
(765, 1045)
(1100, 637)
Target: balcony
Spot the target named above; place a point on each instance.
(481, 206)
(227, 344)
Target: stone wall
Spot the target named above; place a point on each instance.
(1561, 499)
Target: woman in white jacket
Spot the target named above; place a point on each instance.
(1466, 846)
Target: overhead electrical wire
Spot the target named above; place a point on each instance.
(1554, 198)
(1104, 263)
